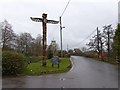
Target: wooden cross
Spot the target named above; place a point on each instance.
(44, 24)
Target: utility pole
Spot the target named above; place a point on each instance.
(108, 41)
(98, 42)
(61, 35)
(44, 43)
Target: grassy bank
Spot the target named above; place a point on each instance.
(37, 69)
(107, 60)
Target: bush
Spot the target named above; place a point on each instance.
(0, 62)
(49, 54)
(12, 62)
(90, 54)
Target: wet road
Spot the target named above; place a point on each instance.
(85, 73)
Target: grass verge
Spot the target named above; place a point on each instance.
(37, 69)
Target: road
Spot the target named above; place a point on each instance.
(85, 73)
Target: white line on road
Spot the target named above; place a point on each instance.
(72, 64)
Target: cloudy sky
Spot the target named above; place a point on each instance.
(80, 18)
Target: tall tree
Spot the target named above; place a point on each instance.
(24, 43)
(37, 45)
(116, 44)
(108, 34)
(8, 36)
(105, 39)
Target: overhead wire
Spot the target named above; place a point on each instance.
(65, 8)
(85, 38)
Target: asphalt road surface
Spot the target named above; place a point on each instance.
(85, 73)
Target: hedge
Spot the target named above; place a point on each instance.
(12, 62)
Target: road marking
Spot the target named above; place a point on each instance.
(62, 79)
(62, 88)
(72, 64)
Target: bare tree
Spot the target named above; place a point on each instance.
(93, 44)
(108, 34)
(8, 36)
(105, 39)
(24, 42)
(37, 46)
